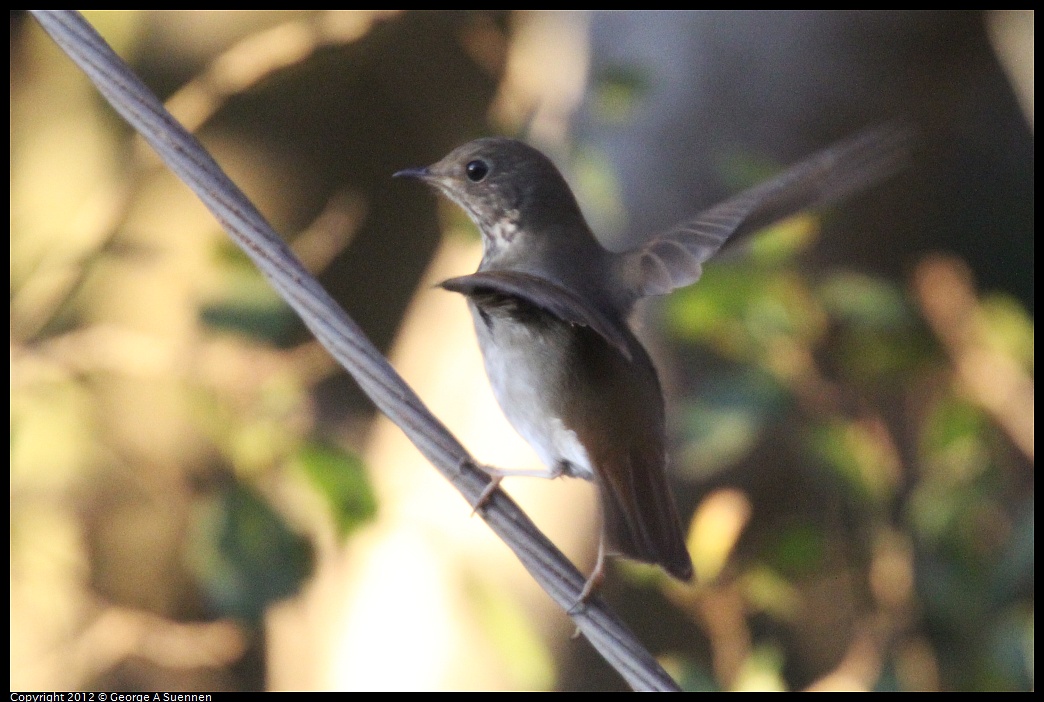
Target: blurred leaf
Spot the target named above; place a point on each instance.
(1008, 328)
(618, 91)
(643, 575)
(340, 477)
(797, 550)
(782, 242)
(247, 303)
(710, 312)
(251, 316)
(716, 527)
(954, 448)
(858, 454)
(934, 509)
(252, 444)
(693, 677)
(243, 554)
(877, 340)
(726, 419)
(762, 671)
(768, 591)
(863, 301)
(881, 359)
(742, 313)
(952, 420)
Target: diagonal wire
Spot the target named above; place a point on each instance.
(346, 342)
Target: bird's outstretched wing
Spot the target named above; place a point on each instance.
(675, 258)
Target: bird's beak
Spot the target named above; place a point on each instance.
(423, 173)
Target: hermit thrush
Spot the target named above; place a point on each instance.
(550, 307)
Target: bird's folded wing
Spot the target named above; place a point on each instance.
(545, 295)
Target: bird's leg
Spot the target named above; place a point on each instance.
(547, 473)
(497, 475)
(594, 581)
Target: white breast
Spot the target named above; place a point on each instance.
(525, 369)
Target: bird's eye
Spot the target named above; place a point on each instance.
(476, 170)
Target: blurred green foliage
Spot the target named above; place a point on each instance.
(243, 554)
(845, 364)
(246, 303)
(340, 477)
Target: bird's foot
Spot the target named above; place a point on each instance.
(487, 492)
(498, 474)
(594, 581)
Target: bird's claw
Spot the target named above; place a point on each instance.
(487, 493)
(590, 588)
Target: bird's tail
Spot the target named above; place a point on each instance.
(642, 523)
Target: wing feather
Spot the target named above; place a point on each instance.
(675, 258)
(548, 296)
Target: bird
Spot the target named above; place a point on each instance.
(551, 305)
